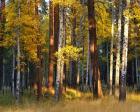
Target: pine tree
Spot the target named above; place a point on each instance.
(97, 87)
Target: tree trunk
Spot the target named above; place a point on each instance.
(51, 45)
(56, 33)
(59, 60)
(118, 45)
(97, 87)
(13, 71)
(88, 65)
(122, 93)
(18, 59)
(111, 49)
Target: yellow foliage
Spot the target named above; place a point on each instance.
(68, 52)
(29, 24)
(72, 93)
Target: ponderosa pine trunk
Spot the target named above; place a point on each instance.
(51, 45)
(97, 87)
(56, 33)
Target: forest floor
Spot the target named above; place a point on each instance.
(84, 104)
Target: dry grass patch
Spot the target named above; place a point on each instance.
(82, 104)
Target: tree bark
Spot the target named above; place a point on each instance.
(122, 93)
(111, 49)
(51, 45)
(97, 87)
(60, 63)
(18, 57)
(118, 45)
(13, 71)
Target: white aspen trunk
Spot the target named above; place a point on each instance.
(124, 61)
(122, 93)
(13, 72)
(109, 79)
(18, 59)
(59, 60)
(63, 45)
(117, 75)
(107, 63)
(18, 71)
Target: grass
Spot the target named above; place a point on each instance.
(83, 103)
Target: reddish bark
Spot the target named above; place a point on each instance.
(97, 89)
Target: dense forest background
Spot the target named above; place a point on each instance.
(67, 48)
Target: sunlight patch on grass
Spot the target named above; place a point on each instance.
(72, 93)
(133, 96)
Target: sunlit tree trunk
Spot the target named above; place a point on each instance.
(56, 33)
(118, 48)
(122, 94)
(59, 60)
(110, 81)
(51, 44)
(63, 77)
(97, 87)
(18, 57)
